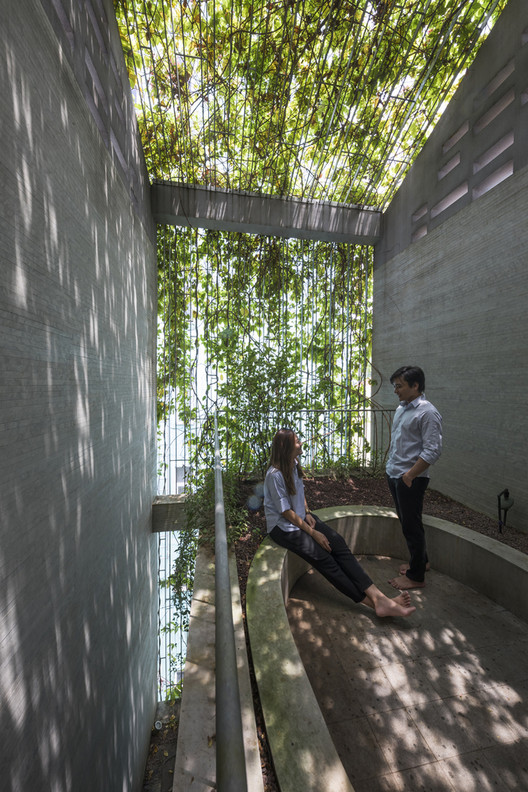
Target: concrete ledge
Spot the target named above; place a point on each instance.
(168, 513)
(303, 753)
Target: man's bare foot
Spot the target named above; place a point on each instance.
(403, 583)
(384, 606)
(405, 567)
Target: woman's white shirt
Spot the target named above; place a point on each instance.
(277, 499)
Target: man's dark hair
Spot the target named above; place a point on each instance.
(410, 374)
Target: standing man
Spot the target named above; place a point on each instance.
(416, 443)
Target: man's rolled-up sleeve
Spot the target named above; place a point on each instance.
(431, 437)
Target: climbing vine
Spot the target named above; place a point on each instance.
(325, 99)
(266, 332)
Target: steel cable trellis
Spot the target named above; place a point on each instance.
(433, 112)
(266, 180)
(371, 65)
(244, 183)
(300, 142)
(336, 105)
(393, 92)
(183, 97)
(239, 126)
(252, 152)
(141, 79)
(357, 115)
(295, 144)
(154, 62)
(399, 132)
(287, 144)
(275, 328)
(227, 118)
(337, 144)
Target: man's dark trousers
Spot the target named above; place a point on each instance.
(409, 506)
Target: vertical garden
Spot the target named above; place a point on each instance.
(265, 332)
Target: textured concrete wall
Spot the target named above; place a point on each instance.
(77, 461)
(454, 299)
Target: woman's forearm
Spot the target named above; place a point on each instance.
(294, 519)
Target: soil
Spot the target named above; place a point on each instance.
(320, 492)
(162, 751)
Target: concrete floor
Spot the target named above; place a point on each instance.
(434, 703)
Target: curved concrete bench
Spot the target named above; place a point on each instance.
(303, 752)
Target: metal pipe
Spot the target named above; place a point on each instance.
(230, 757)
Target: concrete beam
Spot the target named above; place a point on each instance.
(168, 513)
(224, 210)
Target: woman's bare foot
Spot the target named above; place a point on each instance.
(393, 607)
(384, 606)
(403, 599)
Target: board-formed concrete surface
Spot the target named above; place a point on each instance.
(78, 297)
(450, 277)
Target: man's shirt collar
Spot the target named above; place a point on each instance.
(414, 403)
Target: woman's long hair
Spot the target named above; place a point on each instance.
(282, 447)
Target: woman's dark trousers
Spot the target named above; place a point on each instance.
(340, 566)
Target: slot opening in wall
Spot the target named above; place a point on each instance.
(493, 179)
(449, 166)
(64, 20)
(419, 233)
(421, 212)
(117, 149)
(458, 135)
(450, 199)
(493, 152)
(497, 81)
(495, 111)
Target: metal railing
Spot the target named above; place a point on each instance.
(230, 756)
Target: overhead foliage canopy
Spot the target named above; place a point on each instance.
(321, 99)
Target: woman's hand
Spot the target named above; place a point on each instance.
(321, 539)
(307, 525)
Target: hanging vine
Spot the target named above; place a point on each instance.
(266, 331)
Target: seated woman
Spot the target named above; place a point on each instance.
(291, 525)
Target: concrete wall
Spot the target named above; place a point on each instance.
(77, 461)
(451, 276)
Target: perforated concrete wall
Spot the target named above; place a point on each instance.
(451, 276)
(77, 463)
